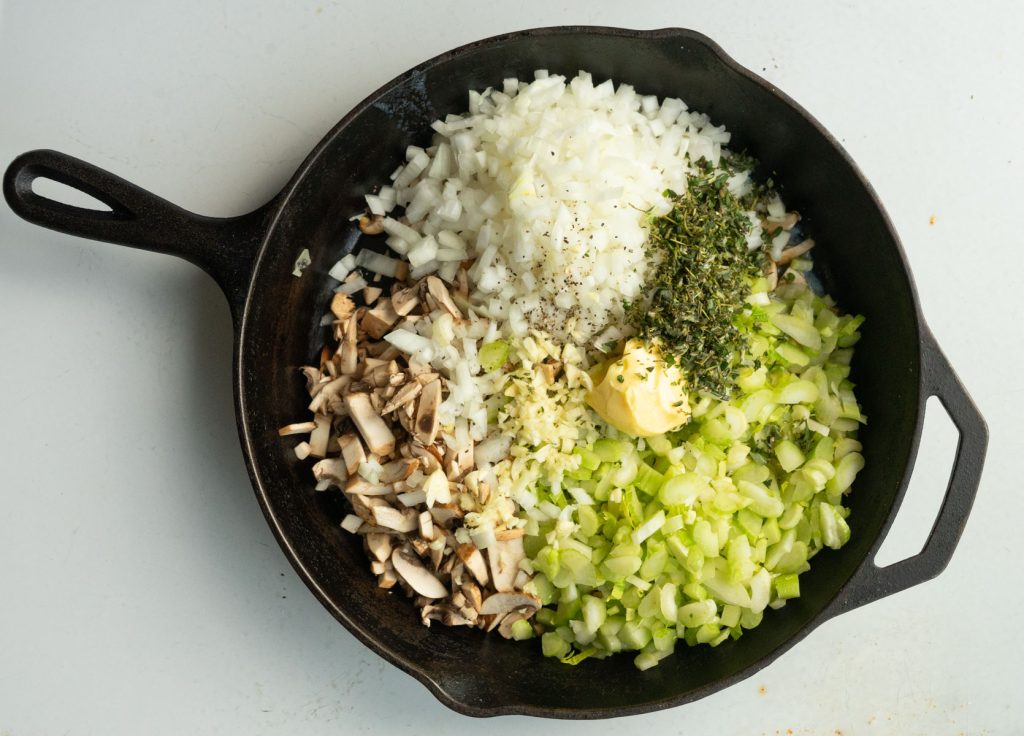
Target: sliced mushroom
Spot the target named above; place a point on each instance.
(439, 291)
(378, 321)
(371, 224)
(503, 535)
(795, 251)
(397, 470)
(297, 428)
(404, 301)
(312, 378)
(359, 485)
(473, 595)
(787, 222)
(501, 604)
(418, 577)
(375, 432)
(387, 579)
(342, 306)
(406, 520)
(407, 393)
(446, 614)
(352, 452)
(379, 545)
(332, 470)
(474, 561)
(349, 348)
(426, 412)
(363, 507)
(504, 557)
(426, 522)
(549, 369)
(371, 294)
(319, 436)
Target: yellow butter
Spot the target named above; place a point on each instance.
(640, 394)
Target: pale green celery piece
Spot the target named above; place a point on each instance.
(727, 591)
(707, 633)
(577, 569)
(791, 516)
(673, 524)
(589, 460)
(799, 391)
(842, 424)
(706, 538)
(648, 479)
(762, 500)
(609, 642)
(758, 404)
(545, 617)
(730, 616)
(634, 635)
(610, 450)
(619, 568)
(645, 660)
(846, 472)
(800, 330)
(760, 551)
(695, 591)
(787, 586)
(659, 444)
(594, 613)
(780, 549)
(493, 355)
(678, 548)
(541, 587)
(522, 630)
(753, 473)
(669, 602)
(627, 471)
(751, 379)
(741, 564)
(794, 560)
(716, 431)
(663, 639)
(650, 604)
(588, 521)
(749, 522)
(736, 457)
(789, 455)
(824, 449)
(792, 354)
(683, 489)
(697, 613)
(654, 563)
(749, 619)
(553, 645)
(845, 446)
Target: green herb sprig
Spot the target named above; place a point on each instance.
(699, 277)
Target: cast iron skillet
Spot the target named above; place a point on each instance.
(897, 365)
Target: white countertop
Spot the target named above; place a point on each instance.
(141, 591)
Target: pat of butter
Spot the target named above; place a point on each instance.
(640, 394)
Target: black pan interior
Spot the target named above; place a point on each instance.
(858, 260)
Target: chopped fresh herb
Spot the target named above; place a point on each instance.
(700, 276)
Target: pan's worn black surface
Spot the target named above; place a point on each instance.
(897, 364)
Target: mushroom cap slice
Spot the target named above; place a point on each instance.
(418, 577)
(426, 412)
(500, 604)
(474, 561)
(373, 429)
(504, 557)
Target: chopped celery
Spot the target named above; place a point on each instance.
(694, 534)
(493, 355)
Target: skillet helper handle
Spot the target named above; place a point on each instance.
(223, 247)
(871, 582)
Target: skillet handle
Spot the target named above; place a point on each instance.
(225, 248)
(871, 582)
